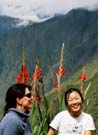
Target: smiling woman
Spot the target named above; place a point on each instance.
(72, 121)
(18, 102)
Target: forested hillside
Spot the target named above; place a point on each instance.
(77, 29)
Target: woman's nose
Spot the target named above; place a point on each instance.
(74, 101)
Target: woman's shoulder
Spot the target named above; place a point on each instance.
(62, 113)
(11, 117)
(86, 115)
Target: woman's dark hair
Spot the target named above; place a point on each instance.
(69, 91)
(14, 91)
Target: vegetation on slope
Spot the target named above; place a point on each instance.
(55, 99)
(78, 30)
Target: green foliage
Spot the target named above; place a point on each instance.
(40, 119)
(54, 100)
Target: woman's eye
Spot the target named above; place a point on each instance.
(70, 100)
(77, 98)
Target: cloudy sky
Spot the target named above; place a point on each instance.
(38, 9)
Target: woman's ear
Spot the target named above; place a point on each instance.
(18, 100)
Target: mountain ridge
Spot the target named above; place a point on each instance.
(78, 31)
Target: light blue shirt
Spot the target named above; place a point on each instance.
(15, 123)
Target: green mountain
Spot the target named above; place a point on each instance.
(77, 29)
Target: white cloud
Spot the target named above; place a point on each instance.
(33, 9)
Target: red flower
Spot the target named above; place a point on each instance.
(56, 85)
(23, 75)
(37, 74)
(61, 71)
(19, 77)
(83, 77)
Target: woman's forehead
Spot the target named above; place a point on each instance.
(27, 90)
(73, 94)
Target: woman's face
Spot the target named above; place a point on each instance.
(74, 102)
(26, 100)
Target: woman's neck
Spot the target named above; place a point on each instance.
(21, 109)
(74, 114)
